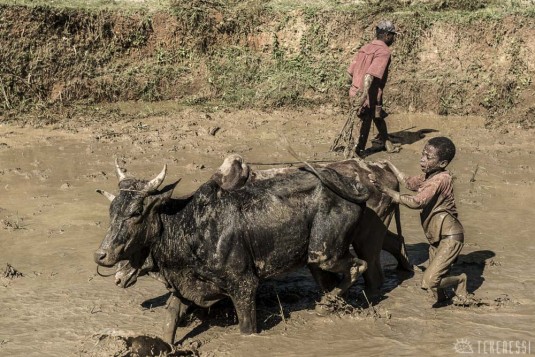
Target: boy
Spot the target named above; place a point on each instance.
(442, 228)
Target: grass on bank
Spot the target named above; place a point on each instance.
(367, 6)
(124, 5)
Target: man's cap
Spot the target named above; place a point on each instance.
(388, 26)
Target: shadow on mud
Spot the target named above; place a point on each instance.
(111, 342)
(418, 253)
(406, 137)
(472, 264)
(279, 298)
(398, 138)
(157, 301)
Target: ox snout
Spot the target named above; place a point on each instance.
(126, 275)
(105, 258)
(126, 280)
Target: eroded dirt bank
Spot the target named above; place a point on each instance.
(52, 220)
(468, 59)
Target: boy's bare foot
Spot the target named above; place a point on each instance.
(327, 305)
(467, 300)
(462, 297)
(461, 285)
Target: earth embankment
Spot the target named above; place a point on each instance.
(462, 59)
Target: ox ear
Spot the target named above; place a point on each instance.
(106, 194)
(156, 200)
(167, 191)
(153, 203)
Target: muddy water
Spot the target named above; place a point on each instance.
(52, 220)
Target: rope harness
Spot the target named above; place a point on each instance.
(345, 138)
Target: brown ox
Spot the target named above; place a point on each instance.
(372, 234)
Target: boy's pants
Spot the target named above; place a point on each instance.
(441, 258)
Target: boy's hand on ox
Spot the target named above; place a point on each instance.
(384, 162)
(374, 181)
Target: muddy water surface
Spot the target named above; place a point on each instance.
(52, 221)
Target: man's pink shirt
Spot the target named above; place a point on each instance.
(373, 59)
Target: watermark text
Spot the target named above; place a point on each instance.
(492, 347)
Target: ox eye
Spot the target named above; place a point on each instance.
(136, 214)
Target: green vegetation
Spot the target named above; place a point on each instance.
(99, 5)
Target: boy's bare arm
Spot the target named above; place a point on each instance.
(400, 176)
(406, 200)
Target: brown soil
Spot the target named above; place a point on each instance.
(51, 221)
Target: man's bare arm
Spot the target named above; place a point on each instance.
(368, 80)
(362, 95)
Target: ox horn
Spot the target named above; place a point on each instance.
(156, 182)
(106, 194)
(120, 173)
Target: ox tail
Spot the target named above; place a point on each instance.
(397, 217)
(403, 260)
(360, 194)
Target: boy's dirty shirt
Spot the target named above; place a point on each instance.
(436, 200)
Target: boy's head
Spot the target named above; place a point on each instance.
(445, 147)
(437, 154)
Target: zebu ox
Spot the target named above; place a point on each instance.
(220, 243)
(370, 238)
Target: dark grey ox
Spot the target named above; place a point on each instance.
(370, 238)
(220, 243)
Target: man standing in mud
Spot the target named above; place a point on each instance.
(368, 73)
